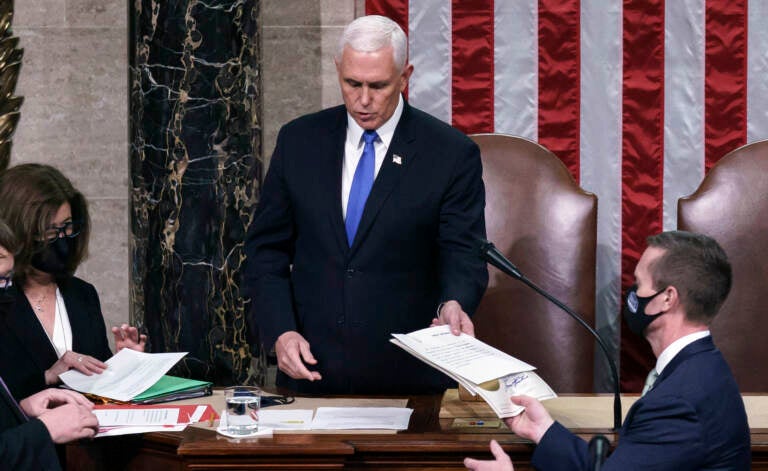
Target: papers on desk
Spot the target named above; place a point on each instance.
(477, 366)
(361, 418)
(128, 374)
(115, 419)
(337, 418)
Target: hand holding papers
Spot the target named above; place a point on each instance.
(477, 366)
(128, 374)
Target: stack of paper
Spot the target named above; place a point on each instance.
(477, 366)
(136, 376)
(127, 419)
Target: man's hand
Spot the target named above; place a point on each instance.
(533, 423)
(70, 422)
(127, 336)
(451, 313)
(48, 399)
(501, 463)
(291, 348)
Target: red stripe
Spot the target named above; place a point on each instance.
(396, 10)
(642, 159)
(725, 84)
(559, 64)
(472, 65)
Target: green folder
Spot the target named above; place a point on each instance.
(172, 388)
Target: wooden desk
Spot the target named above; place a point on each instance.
(431, 442)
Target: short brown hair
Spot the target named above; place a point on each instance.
(30, 195)
(698, 267)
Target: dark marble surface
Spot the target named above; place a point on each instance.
(194, 162)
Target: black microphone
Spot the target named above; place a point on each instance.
(491, 254)
(598, 451)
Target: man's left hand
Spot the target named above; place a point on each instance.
(501, 461)
(452, 314)
(51, 398)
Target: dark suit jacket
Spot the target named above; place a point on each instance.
(414, 248)
(26, 352)
(692, 419)
(24, 445)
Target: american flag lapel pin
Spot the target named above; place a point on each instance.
(397, 159)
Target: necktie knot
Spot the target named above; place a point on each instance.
(369, 137)
(649, 381)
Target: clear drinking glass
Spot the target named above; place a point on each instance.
(243, 403)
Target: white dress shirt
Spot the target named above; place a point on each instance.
(353, 150)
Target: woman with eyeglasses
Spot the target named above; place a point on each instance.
(56, 324)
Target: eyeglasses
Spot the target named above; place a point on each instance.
(68, 229)
(7, 280)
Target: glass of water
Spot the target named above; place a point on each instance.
(243, 403)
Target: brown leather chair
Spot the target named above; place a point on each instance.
(731, 205)
(539, 218)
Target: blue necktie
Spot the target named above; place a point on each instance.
(361, 185)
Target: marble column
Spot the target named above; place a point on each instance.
(195, 166)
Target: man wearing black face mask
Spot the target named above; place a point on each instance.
(691, 415)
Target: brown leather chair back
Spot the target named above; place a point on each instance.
(731, 205)
(539, 218)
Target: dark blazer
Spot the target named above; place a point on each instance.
(26, 352)
(692, 419)
(24, 444)
(414, 248)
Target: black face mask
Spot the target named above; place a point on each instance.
(634, 311)
(53, 258)
(7, 294)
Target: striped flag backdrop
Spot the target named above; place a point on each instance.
(637, 97)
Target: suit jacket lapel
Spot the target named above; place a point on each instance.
(390, 173)
(333, 150)
(701, 345)
(12, 404)
(24, 324)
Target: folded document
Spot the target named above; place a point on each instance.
(480, 368)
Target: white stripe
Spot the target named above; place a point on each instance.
(684, 52)
(757, 71)
(516, 66)
(429, 40)
(600, 160)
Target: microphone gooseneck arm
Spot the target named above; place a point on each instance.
(491, 254)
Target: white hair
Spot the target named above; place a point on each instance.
(371, 33)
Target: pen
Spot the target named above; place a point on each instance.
(292, 422)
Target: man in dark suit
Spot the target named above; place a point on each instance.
(365, 227)
(691, 415)
(28, 430)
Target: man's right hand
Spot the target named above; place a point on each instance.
(70, 422)
(533, 423)
(293, 352)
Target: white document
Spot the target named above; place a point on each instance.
(370, 418)
(137, 417)
(286, 419)
(462, 355)
(120, 430)
(480, 368)
(128, 374)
